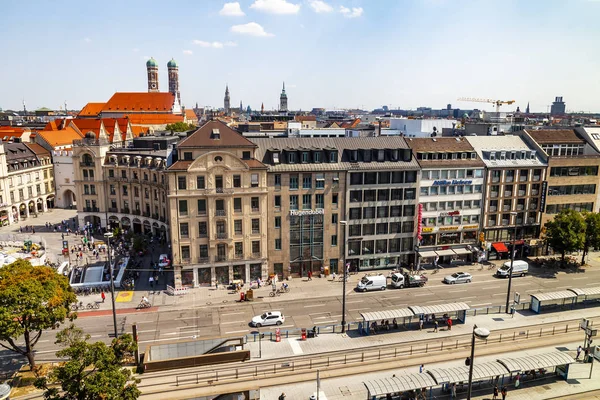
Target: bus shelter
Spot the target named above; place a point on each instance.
(376, 318)
(587, 296)
(560, 299)
(489, 372)
(397, 386)
(539, 365)
(456, 311)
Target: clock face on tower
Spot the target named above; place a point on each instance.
(153, 86)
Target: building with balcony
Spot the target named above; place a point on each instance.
(573, 164)
(218, 208)
(26, 181)
(450, 197)
(515, 175)
(124, 187)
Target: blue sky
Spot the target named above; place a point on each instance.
(330, 53)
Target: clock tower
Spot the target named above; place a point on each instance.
(152, 68)
(173, 69)
(226, 101)
(283, 104)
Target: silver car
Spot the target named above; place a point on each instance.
(458, 277)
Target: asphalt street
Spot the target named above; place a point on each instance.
(170, 323)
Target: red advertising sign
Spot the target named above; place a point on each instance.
(419, 223)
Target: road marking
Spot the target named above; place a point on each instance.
(499, 294)
(563, 287)
(184, 318)
(95, 336)
(317, 313)
(245, 330)
(358, 309)
(286, 326)
(591, 284)
(162, 340)
(229, 323)
(457, 291)
(43, 341)
(482, 304)
(149, 330)
(355, 301)
(580, 279)
(470, 297)
(490, 287)
(326, 322)
(233, 313)
(296, 349)
(315, 305)
(422, 294)
(170, 333)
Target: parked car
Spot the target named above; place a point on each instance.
(520, 268)
(458, 277)
(268, 318)
(163, 261)
(373, 282)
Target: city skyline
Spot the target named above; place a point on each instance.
(331, 54)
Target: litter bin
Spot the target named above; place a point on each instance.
(326, 271)
(303, 335)
(249, 295)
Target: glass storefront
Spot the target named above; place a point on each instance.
(187, 278)
(255, 271)
(239, 272)
(204, 278)
(306, 243)
(222, 275)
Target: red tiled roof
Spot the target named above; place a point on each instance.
(60, 138)
(555, 136)
(85, 125)
(10, 131)
(91, 110)
(302, 118)
(180, 165)
(37, 149)
(137, 131)
(255, 164)
(190, 115)
(203, 137)
(154, 119)
(140, 102)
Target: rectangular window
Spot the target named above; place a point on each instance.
(320, 181)
(317, 155)
(293, 182)
(237, 226)
(355, 230)
(200, 182)
(255, 225)
(187, 155)
(253, 180)
(277, 222)
(181, 184)
(334, 218)
(278, 201)
(255, 204)
(356, 196)
(334, 200)
(382, 228)
(306, 181)
(184, 230)
(202, 229)
(356, 178)
(239, 249)
(305, 157)
(306, 202)
(410, 194)
(277, 179)
(256, 247)
(277, 244)
(204, 251)
(201, 206)
(382, 212)
(320, 200)
(185, 253)
(183, 209)
(237, 181)
(294, 202)
(333, 240)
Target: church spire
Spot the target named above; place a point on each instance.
(283, 104)
(527, 109)
(226, 101)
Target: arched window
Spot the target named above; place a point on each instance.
(87, 159)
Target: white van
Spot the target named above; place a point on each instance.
(373, 282)
(520, 268)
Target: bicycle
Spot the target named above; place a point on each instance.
(78, 306)
(275, 293)
(93, 306)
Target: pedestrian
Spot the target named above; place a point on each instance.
(504, 391)
(62, 235)
(453, 393)
(421, 368)
(495, 393)
(412, 268)
(449, 322)
(282, 397)
(435, 261)
(579, 349)
(20, 229)
(435, 325)
(421, 324)
(151, 281)
(103, 296)
(33, 230)
(309, 275)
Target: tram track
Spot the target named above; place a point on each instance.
(215, 378)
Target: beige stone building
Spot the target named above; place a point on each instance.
(218, 208)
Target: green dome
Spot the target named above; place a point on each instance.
(151, 62)
(172, 64)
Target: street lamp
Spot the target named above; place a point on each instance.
(512, 260)
(344, 223)
(482, 334)
(108, 235)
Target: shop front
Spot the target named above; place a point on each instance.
(450, 245)
(306, 242)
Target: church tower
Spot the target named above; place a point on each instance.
(173, 69)
(152, 68)
(226, 101)
(527, 109)
(283, 105)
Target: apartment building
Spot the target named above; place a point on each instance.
(123, 187)
(26, 181)
(572, 181)
(217, 202)
(450, 198)
(514, 192)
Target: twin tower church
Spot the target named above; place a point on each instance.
(173, 71)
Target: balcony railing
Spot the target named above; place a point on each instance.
(87, 164)
(239, 256)
(534, 192)
(203, 260)
(519, 221)
(255, 209)
(125, 210)
(533, 207)
(183, 213)
(495, 179)
(91, 209)
(186, 260)
(256, 255)
(520, 207)
(505, 222)
(509, 179)
(521, 193)
(113, 209)
(185, 235)
(136, 212)
(154, 216)
(220, 258)
(536, 178)
(237, 210)
(493, 194)
(219, 190)
(162, 219)
(491, 223)
(220, 213)
(202, 213)
(522, 178)
(147, 214)
(221, 235)
(493, 208)
(506, 208)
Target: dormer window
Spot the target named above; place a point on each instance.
(463, 156)
(394, 155)
(473, 156)
(333, 157)
(317, 156)
(275, 158)
(492, 156)
(444, 156)
(454, 156)
(532, 155)
(513, 155)
(523, 155)
(353, 155)
(216, 134)
(367, 155)
(305, 157)
(381, 155)
(503, 155)
(292, 158)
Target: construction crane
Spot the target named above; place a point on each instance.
(498, 103)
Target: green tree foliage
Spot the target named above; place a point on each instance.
(566, 232)
(592, 233)
(32, 299)
(179, 127)
(138, 243)
(91, 370)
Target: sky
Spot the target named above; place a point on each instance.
(330, 53)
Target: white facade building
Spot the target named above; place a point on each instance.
(420, 128)
(64, 178)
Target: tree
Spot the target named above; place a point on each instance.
(92, 370)
(32, 299)
(592, 233)
(566, 232)
(179, 127)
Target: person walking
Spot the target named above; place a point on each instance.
(282, 396)
(504, 392)
(421, 368)
(421, 324)
(495, 397)
(435, 325)
(103, 296)
(309, 275)
(449, 322)
(151, 281)
(579, 349)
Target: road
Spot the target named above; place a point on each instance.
(231, 319)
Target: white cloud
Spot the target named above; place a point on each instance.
(276, 6)
(87, 39)
(320, 6)
(232, 10)
(250, 29)
(351, 13)
(214, 45)
(188, 52)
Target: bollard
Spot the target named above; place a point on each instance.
(500, 338)
(442, 345)
(514, 333)
(217, 376)
(540, 332)
(426, 347)
(274, 369)
(567, 328)
(236, 373)
(379, 356)
(345, 359)
(362, 359)
(411, 350)
(456, 344)
(553, 330)
(176, 380)
(395, 352)
(310, 364)
(255, 371)
(197, 379)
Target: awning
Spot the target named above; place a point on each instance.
(427, 254)
(387, 314)
(462, 250)
(562, 294)
(399, 383)
(439, 308)
(586, 291)
(461, 374)
(500, 247)
(442, 253)
(547, 360)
